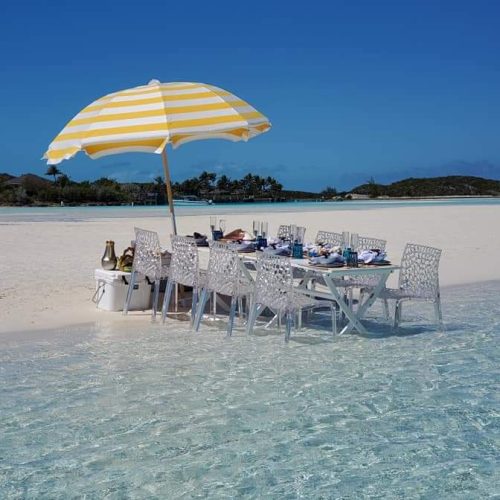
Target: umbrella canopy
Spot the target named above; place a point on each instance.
(147, 118)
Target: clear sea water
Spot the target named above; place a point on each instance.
(42, 214)
(156, 411)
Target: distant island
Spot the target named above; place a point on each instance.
(31, 189)
(452, 185)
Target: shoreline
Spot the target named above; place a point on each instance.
(264, 201)
(47, 266)
(99, 320)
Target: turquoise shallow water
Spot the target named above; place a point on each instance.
(159, 412)
(72, 214)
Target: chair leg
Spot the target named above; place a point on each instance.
(194, 303)
(288, 330)
(129, 292)
(176, 298)
(156, 295)
(232, 312)
(351, 297)
(252, 316)
(386, 309)
(200, 309)
(166, 300)
(438, 312)
(397, 313)
(241, 312)
(334, 318)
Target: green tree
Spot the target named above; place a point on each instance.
(160, 189)
(373, 188)
(329, 192)
(206, 181)
(224, 183)
(64, 180)
(54, 171)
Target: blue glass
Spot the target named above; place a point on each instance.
(217, 235)
(297, 250)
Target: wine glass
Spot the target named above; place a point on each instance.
(222, 225)
(213, 222)
(256, 226)
(263, 229)
(345, 239)
(301, 231)
(354, 241)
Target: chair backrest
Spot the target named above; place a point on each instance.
(419, 273)
(274, 281)
(284, 232)
(367, 243)
(223, 274)
(184, 264)
(147, 253)
(328, 238)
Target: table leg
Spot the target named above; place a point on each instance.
(352, 317)
(374, 294)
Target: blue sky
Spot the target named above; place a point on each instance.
(353, 88)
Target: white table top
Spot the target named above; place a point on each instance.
(303, 264)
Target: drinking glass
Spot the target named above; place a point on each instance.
(301, 231)
(354, 241)
(293, 232)
(345, 239)
(256, 226)
(213, 222)
(222, 225)
(263, 229)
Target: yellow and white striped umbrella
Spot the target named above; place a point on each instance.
(147, 118)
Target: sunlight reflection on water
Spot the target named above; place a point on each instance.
(160, 411)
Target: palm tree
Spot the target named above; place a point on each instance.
(224, 183)
(54, 171)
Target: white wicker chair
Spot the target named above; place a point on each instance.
(284, 232)
(184, 270)
(147, 261)
(367, 243)
(365, 280)
(418, 280)
(274, 289)
(224, 276)
(329, 238)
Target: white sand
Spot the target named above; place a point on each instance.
(47, 268)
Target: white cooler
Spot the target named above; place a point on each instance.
(112, 287)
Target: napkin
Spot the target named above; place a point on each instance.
(243, 247)
(200, 239)
(283, 250)
(368, 256)
(333, 258)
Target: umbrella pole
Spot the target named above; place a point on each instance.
(168, 186)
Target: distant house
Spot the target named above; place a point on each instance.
(357, 196)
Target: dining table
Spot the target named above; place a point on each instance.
(333, 278)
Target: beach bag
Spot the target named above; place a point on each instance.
(126, 260)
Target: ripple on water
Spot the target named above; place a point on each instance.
(162, 412)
